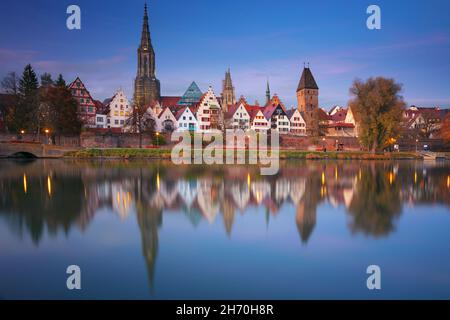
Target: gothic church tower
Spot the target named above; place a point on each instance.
(228, 96)
(146, 86)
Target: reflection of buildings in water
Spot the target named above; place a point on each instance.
(260, 190)
(228, 215)
(241, 194)
(205, 197)
(306, 210)
(208, 198)
(187, 190)
(282, 190)
(149, 219)
(122, 201)
(297, 190)
(305, 218)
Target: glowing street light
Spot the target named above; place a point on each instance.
(157, 139)
(47, 131)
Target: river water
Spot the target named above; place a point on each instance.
(152, 230)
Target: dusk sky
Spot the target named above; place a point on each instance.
(259, 40)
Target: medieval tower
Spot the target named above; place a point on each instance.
(308, 101)
(146, 86)
(228, 96)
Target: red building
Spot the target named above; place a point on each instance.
(86, 105)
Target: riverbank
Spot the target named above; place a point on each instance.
(130, 153)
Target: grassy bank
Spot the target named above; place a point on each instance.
(127, 153)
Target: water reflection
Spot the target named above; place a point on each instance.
(54, 196)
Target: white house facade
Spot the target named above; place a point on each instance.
(119, 110)
(186, 120)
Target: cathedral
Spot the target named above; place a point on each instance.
(147, 88)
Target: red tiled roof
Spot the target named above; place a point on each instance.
(179, 113)
(168, 101)
(339, 116)
(323, 116)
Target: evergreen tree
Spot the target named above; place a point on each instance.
(25, 115)
(60, 82)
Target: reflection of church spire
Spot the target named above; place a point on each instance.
(148, 221)
(228, 215)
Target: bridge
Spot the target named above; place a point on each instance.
(428, 155)
(31, 150)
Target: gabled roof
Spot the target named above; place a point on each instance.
(339, 116)
(290, 113)
(179, 113)
(254, 112)
(307, 80)
(270, 109)
(172, 110)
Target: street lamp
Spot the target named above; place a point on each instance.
(417, 140)
(157, 139)
(324, 148)
(47, 131)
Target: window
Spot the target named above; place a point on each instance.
(122, 122)
(116, 121)
(184, 117)
(99, 119)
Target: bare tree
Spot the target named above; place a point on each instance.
(140, 121)
(10, 83)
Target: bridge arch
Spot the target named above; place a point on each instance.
(23, 155)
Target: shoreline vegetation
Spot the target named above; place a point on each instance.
(136, 153)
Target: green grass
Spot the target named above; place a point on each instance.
(284, 154)
(119, 153)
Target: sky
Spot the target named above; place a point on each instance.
(259, 40)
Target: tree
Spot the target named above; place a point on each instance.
(10, 83)
(63, 117)
(8, 105)
(376, 203)
(379, 108)
(46, 80)
(140, 121)
(431, 123)
(60, 82)
(28, 101)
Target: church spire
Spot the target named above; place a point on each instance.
(147, 86)
(228, 96)
(145, 36)
(267, 92)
